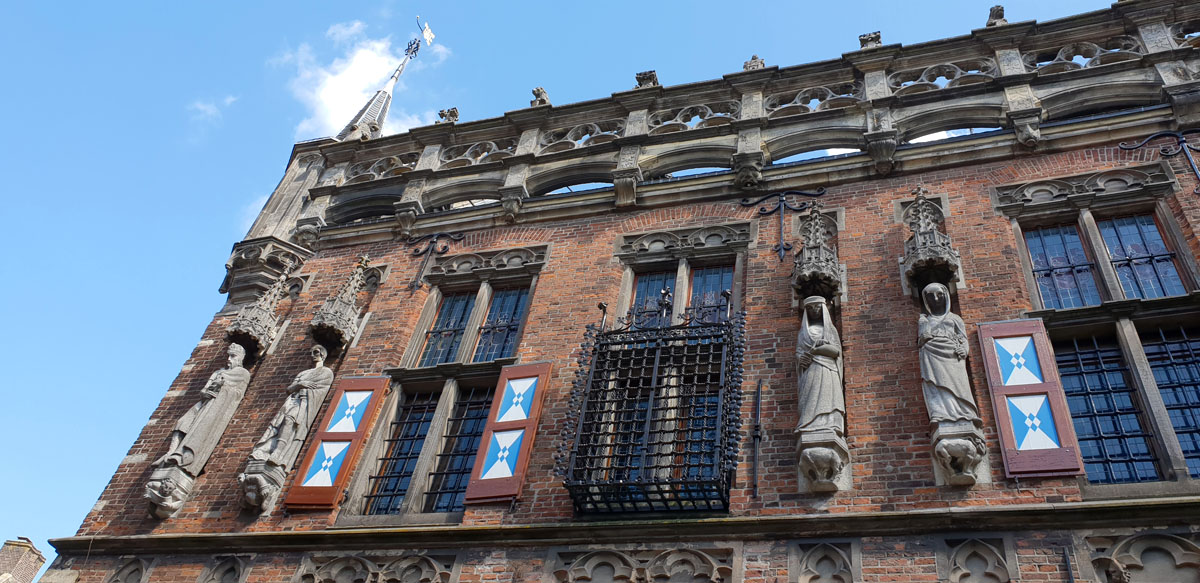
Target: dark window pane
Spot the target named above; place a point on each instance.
(404, 443)
(1174, 355)
(1115, 447)
(441, 343)
(464, 430)
(708, 304)
(1143, 263)
(498, 335)
(1060, 268)
(647, 311)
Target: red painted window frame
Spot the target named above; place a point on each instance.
(1063, 461)
(480, 491)
(325, 497)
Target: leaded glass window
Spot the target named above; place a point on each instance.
(498, 335)
(442, 340)
(1144, 264)
(1061, 268)
(403, 447)
(1174, 355)
(464, 430)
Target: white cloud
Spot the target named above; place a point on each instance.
(207, 110)
(249, 213)
(334, 91)
(229, 99)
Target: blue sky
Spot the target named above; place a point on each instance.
(144, 136)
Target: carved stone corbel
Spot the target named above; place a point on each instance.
(627, 175)
(881, 145)
(748, 166)
(1027, 125)
(337, 320)
(514, 192)
(406, 217)
(929, 256)
(308, 232)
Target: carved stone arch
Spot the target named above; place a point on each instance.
(1040, 191)
(134, 570)
(656, 242)
(513, 258)
(715, 236)
(341, 570)
(600, 567)
(1096, 97)
(465, 263)
(687, 157)
(1117, 180)
(587, 171)
(973, 560)
(975, 115)
(224, 570)
(695, 565)
(479, 188)
(849, 136)
(1152, 557)
(414, 569)
(825, 563)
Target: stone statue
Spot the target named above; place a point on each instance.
(822, 425)
(753, 64)
(539, 97)
(870, 40)
(448, 115)
(942, 340)
(996, 16)
(195, 436)
(280, 444)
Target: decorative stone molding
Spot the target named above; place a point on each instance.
(1145, 557)
(1026, 123)
(490, 265)
(816, 271)
(378, 567)
(256, 264)
(581, 136)
(257, 324)
(646, 79)
(226, 569)
(336, 321)
(881, 145)
(832, 561)
(1117, 49)
(1082, 190)
(689, 242)
(540, 97)
(694, 117)
(406, 216)
(977, 559)
(813, 99)
(749, 166)
(308, 232)
(956, 74)
(381, 168)
(133, 570)
(929, 256)
(648, 565)
(477, 153)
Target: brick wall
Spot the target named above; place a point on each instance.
(20, 559)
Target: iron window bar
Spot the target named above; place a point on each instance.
(499, 333)
(1106, 413)
(464, 431)
(442, 340)
(710, 293)
(402, 448)
(655, 417)
(1140, 257)
(651, 290)
(1063, 274)
(1174, 356)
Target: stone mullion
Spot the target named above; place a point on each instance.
(466, 346)
(1143, 378)
(1095, 240)
(682, 291)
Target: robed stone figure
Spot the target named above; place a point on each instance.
(280, 444)
(196, 434)
(958, 444)
(822, 424)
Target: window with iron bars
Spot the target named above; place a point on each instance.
(499, 333)
(444, 337)
(403, 446)
(657, 415)
(1174, 355)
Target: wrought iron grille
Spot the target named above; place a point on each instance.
(498, 335)
(402, 448)
(442, 340)
(464, 431)
(656, 422)
(1174, 355)
(1143, 263)
(1107, 416)
(1061, 268)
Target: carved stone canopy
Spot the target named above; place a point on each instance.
(255, 265)
(929, 256)
(257, 324)
(816, 271)
(336, 321)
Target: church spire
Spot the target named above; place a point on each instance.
(368, 123)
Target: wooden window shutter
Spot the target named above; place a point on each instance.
(1036, 432)
(507, 443)
(336, 442)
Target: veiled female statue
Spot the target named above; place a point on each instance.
(819, 362)
(942, 340)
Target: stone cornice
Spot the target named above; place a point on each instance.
(1178, 511)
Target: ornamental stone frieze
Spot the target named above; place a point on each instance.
(337, 320)
(256, 264)
(647, 563)
(1146, 556)
(1048, 196)
(389, 566)
(256, 325)
(929, 256)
